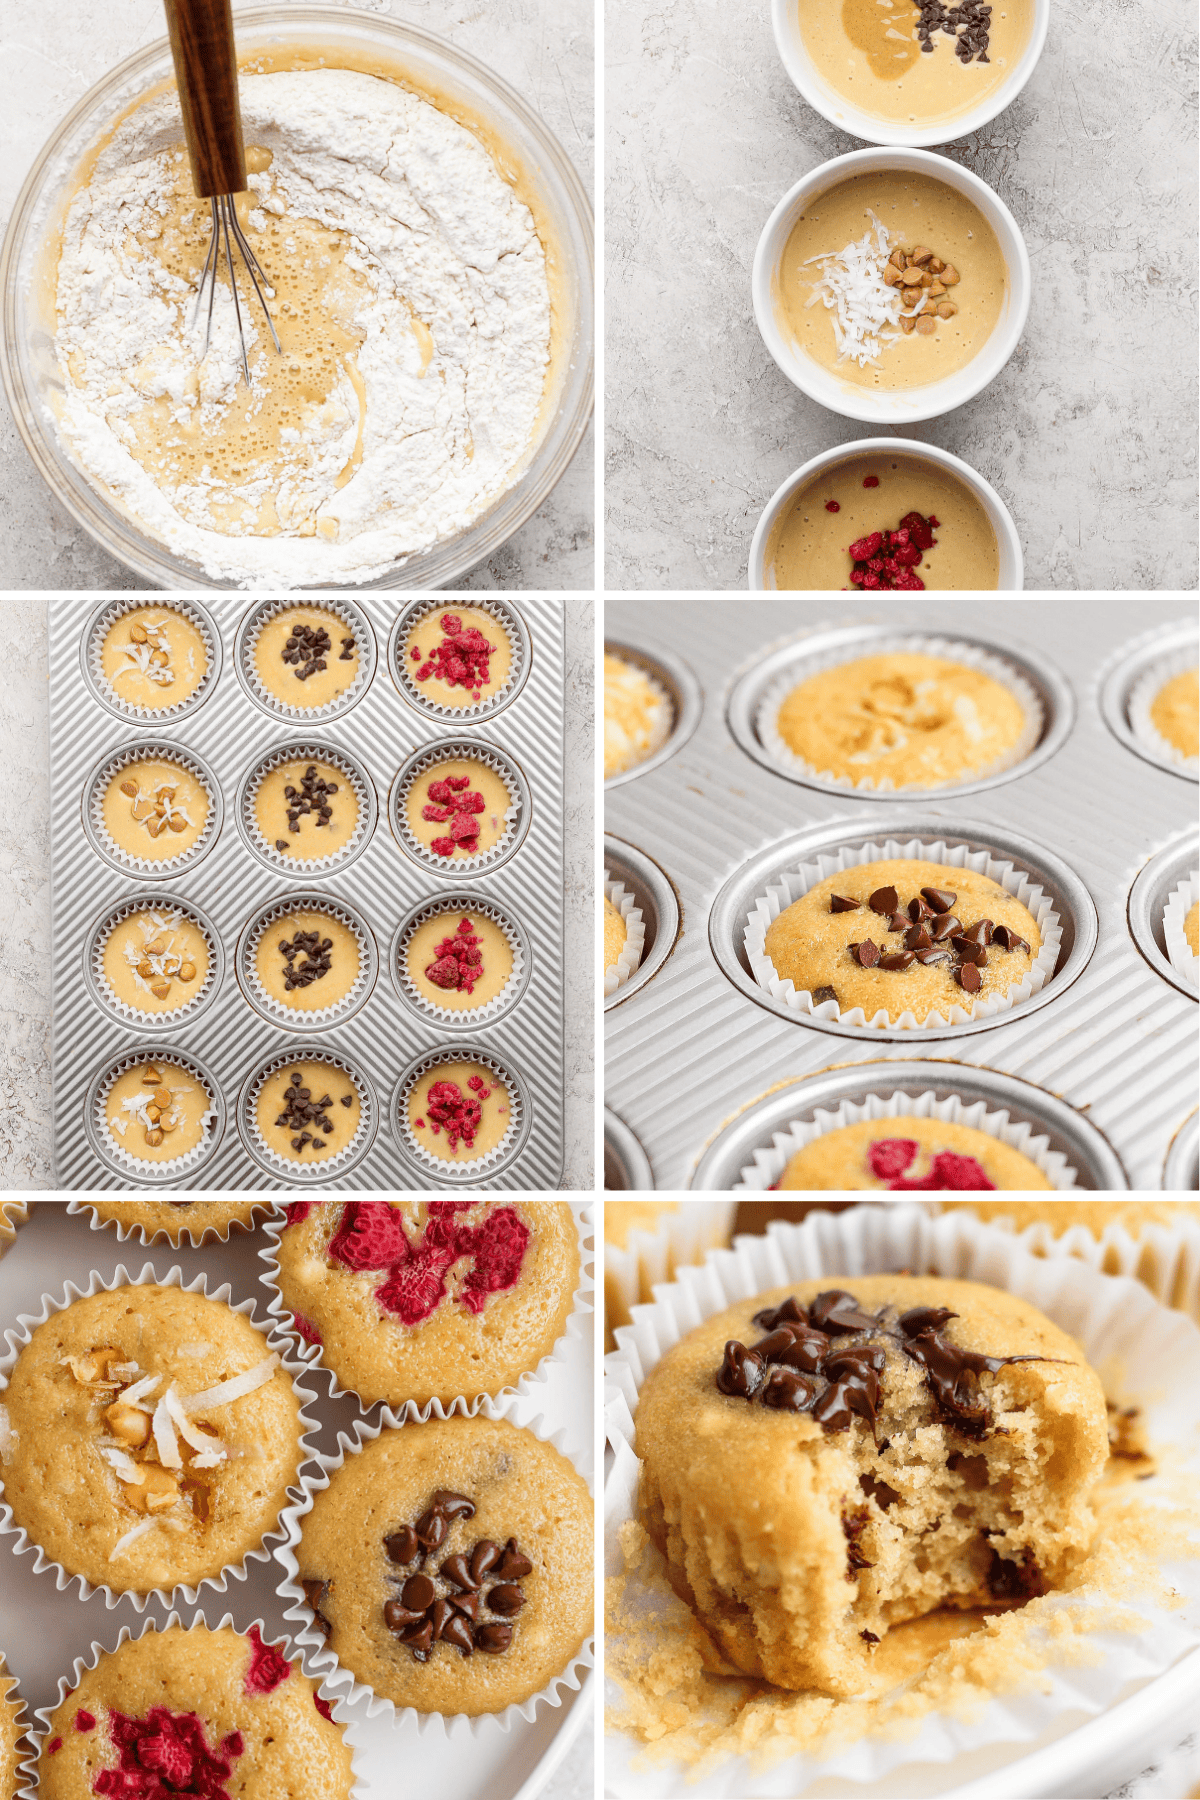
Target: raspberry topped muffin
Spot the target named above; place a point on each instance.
(907, 1155)
(449, 1565)
(421, 1300)
(194, 1711)
(175, 1437)
(822, 1462)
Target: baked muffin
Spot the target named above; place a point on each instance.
(819, 1465)
(1094, 1215)
(1175, 712)
(12, 1214)
(1191, 928)
(175, 1219)
(615, 933)
(428, 1299)
(903, 719)
(194, 1711)
(153, 1438)
(904, 936)
(637, 715)
(623, 1216)
(12, 1747)
(905, 1155)
(450, 1565)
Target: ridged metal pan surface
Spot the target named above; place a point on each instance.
(381, 732)
(1116, 1041)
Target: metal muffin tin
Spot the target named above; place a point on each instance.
(686, 696)
(659, 905)
(626, 1164)
(1181, 1170)
(696, 1057)
(230, 734)
(1120, 677)
(1150, 893)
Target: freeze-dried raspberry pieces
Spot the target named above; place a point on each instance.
(167, 1754)
(463, 826)
(461, 659)
(498, 1249)
(370, 1236)
(444, 973)
(268, 1669)
(889, 1157)
(919, 529)
(299, 1210)
(441, 792)
(889, 559)
(949, 1173)
(306, 1329)
(458, 781)
(458, 960)
(443, 846)
(437, 815)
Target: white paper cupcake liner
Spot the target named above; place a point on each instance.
(197, 998)
(1142, 696)
(348, 769)
(454, 750)
(141, 1169)
(12, 1214)
(308, 1174)
(768, 1165)
(576, 1337)
(98, 834)
(453, 907)
(344, 611)
(87, 1664)
(793, 883)
(304, 1018)
(661, 722)
(1113, 1320)
(619, 972)
(111, 614)
(650, 1256)
(133, 1228)
(470, 1168)
(1180, 902)
(20, 1712)
(415, 691)
(319, 1661)
(19, 1336)
(959, 650)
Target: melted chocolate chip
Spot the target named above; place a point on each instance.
(970, 950)
(837, 1311)
(789, 1312)
(471, 1585)
(884, 900)
(941, 899)
(897, 959)
(853, 1526)
(316, 1592)
(943, 927)
(932, 957)
(868, 1637)
(898, 922)
(952, 1376)
(741, 1373)
(822, 994)
(790, 1390)
(1015, 1580)
(918, 938)
(980, 932)
(919, 909)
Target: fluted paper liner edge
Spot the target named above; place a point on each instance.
(618, 973)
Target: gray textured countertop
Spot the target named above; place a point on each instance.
(1087, 434)
(52, 56)
(25, 987)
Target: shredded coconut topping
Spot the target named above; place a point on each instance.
(131, 1537)
(851, 285)
(236, 1388)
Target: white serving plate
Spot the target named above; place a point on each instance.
(43, 1631)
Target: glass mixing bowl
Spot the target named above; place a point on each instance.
(546, 178)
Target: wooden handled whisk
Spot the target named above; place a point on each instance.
(206, 74)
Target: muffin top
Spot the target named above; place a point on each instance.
(907, 1155)
(1095, 1216)
(173, 1219)
(637, 715)
(153, 1436)
(903, 719)
(12, 1748)
(194, 1711)
(623, 1216)
(450, 1564)
(904, 936)
(1175, 712)
(416, 1300)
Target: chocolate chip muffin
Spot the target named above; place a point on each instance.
(450, 1565)
(823, 1461)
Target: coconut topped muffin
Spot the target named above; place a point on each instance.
(904, 719)
(173, 1219)
(417, 1300)
(194, 1711)
(449, 1565)
(153, 1437)
(904, 936)
(153, 658)
(907, 1155)
(823, 1462)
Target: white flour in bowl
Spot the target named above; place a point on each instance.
(411, 297)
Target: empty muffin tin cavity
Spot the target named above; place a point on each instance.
(508, 620)
(748, 1140)
(348, 769)
(1122, 677)
(267, 923)
(452, 908)
(294, 1173)
(785, 666)
(110, 613)
(344, 613)
(1147, 900)
(1181, 1171)
(656, 900)
(470, 750)
(133, 1171)
(682, 689)
(1062, 889)
(626, 1165)
(472, 1170)
(194, 1000)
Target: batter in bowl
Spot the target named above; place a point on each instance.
(411, 298)
(153, 658)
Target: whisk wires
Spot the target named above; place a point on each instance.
(228, 232)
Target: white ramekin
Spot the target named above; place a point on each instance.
(1011, 577)
(823, 99)
(900, 406)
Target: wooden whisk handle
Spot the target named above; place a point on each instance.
(206, 71)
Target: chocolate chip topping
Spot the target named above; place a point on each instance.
(312, 796)
(308, 647)
(840, 903)
(943, 927)
(1008, 939)
(934, 956)
(968, 977)
(884, 900)
(941, 899)
(969, 950)
(980, 932)
(305, 1116)
(932, 935)
(315, 1592)
(822, 994)
(866, 953)
(317, 954)
(919, 909)
(917, 938)
(799, 1367)
(897, 959)
(449, 1603)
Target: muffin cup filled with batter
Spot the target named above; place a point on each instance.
(914, 714)
(96, 1516)
(193, 1222)
(485, 1467)
(1181, 927)
(861, 874)
(460, 806)
(155, 663)
(1164, 710)
(467, 668)
(624, 934)
(286, 1137)
(163, 1139)
(479, 1112)
(322, 824)
(153, 809)
(307, 962)
(287, 665)
(432, 967)
(155, 961)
